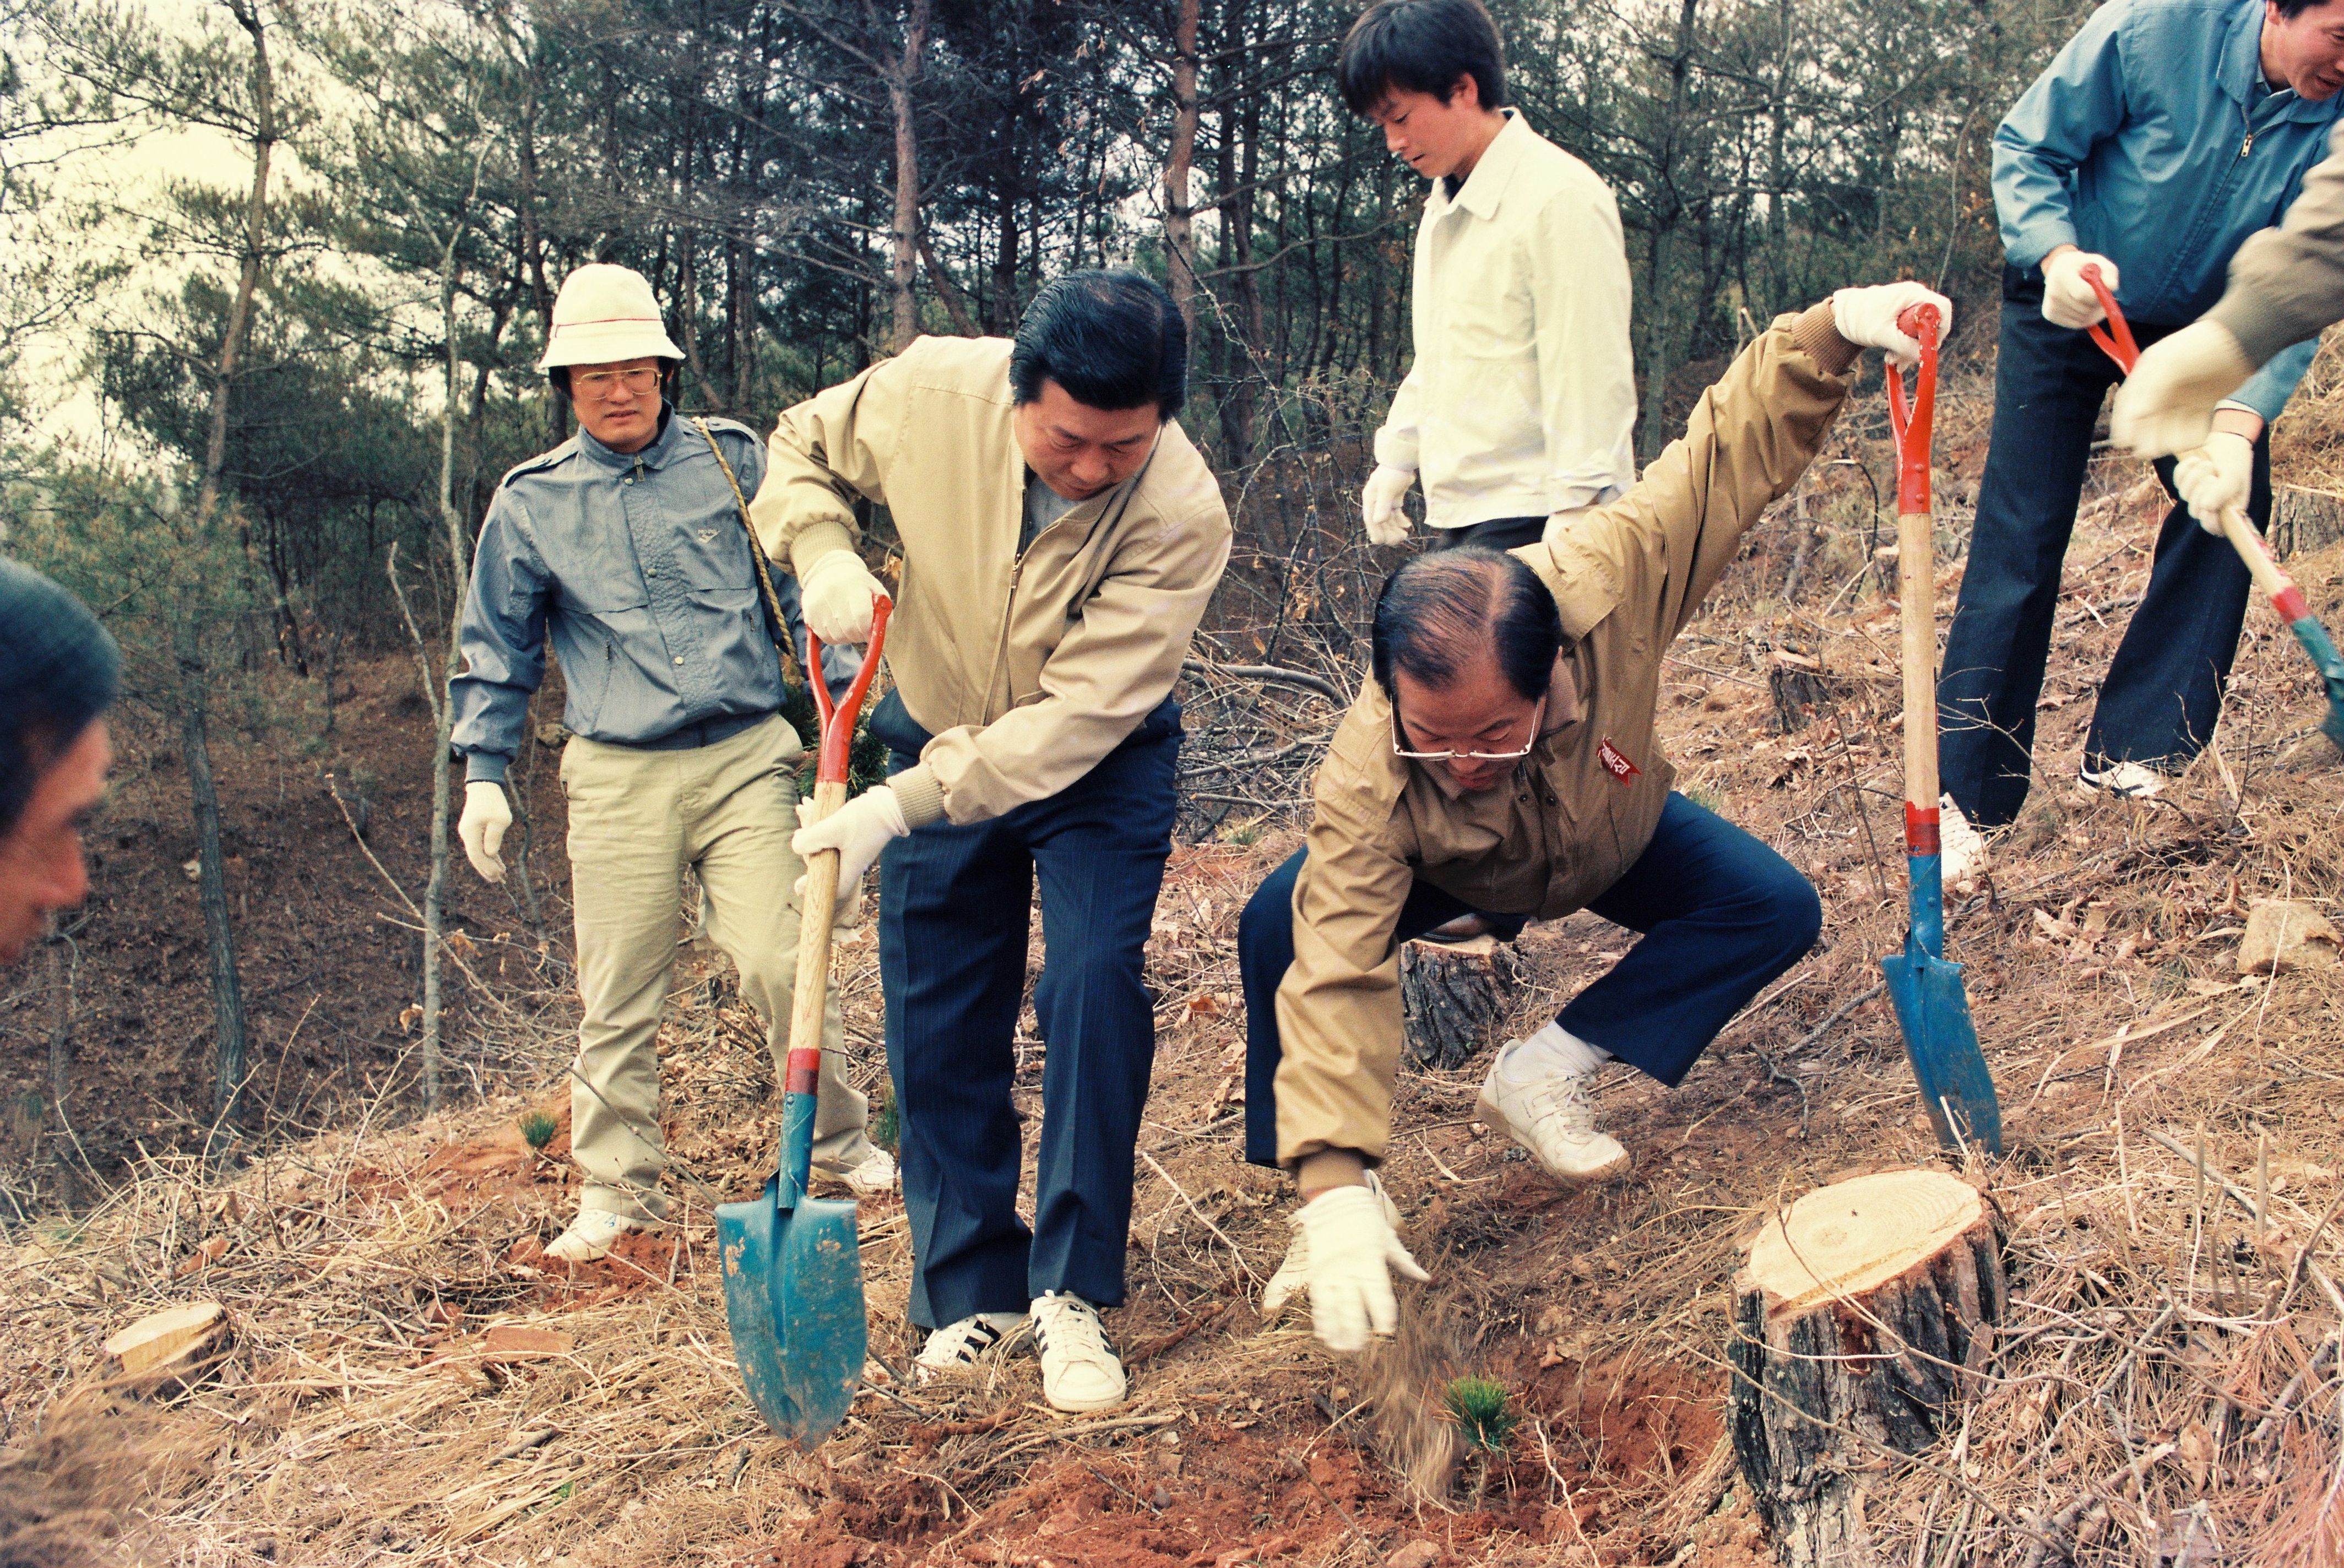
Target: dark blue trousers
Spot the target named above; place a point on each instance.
(952, 904)
(1721, 914)
(2163, 691)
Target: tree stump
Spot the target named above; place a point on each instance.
(1859, 1319)
(170, 1349)
(1455, 995)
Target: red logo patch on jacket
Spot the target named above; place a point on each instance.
(1616, 762)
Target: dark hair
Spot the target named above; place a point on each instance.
(1113, 340)
(2291, 9)
(1420, 47)
(1441, 611)
(58, 670)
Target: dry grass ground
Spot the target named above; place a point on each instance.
(2166, 1390)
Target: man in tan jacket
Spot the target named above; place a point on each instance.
(1060, 538)
(1503, 761)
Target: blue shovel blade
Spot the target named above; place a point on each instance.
(793, 1299)
(1942, 1042)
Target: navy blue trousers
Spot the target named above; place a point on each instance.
(952, 904)
(1721, 914)
(2163, 691)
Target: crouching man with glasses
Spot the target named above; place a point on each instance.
(1504, 763)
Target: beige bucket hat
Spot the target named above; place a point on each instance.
(605, 313)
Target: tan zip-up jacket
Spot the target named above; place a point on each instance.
(1583, 804)
(1028, 670)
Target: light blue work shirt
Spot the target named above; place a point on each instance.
(636, 566)
(2153, 141)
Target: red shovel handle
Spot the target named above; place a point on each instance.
(1912, 424)
(838, 719)
(2115, 339)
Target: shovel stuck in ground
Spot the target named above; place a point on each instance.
(793, 1263)
(1931, 1008)
(2287, 600)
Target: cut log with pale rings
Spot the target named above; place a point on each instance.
(1862, 1314)
(173, 1346)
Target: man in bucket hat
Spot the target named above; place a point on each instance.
(626, 547)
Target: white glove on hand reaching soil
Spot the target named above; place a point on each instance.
(2067, 299)
(1379, 506)
(481, 828)
(858, 830)
(1351, 1248)
(2215, 476)
(838, 593)
(2167, 404)
(1868, 318)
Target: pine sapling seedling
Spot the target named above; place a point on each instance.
(536, 1129)
(1485, 1419)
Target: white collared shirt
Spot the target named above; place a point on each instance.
(1523, 398)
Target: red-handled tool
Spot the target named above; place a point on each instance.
(2286, 599)
(1933, 1009)
(793, 1264)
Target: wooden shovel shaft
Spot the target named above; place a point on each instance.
(813, 953)
(1916, 593)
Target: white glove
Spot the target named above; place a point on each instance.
(2067, 299)
(1868, 318)
(2216, 476)
(837, 592)
(858, 830)
(2167, 404)
(1351, 1244)
(481, 828)
(1380, 500)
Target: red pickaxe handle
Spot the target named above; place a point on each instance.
(838, 719)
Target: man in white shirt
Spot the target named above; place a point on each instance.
(1522, 398)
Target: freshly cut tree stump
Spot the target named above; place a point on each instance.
(1455, 995)
(1860, 1316)
(171, 1348)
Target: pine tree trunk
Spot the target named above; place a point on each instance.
(1863, 1313)
(1179, 216)
(905, 261)
(211, 877)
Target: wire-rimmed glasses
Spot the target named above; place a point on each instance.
(1538, 721)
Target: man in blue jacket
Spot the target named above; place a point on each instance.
(627, 551)
(2162, 135)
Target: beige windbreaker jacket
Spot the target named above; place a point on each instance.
(1028, 670)
(1583, 806)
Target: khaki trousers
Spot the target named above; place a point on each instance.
(637, 818)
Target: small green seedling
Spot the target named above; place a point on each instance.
(539, 1129)
(1481, 1411)
(887, 1123)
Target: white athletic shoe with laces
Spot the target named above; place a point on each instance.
(591, 1236)
(1292, 1281)
(874, 1176)
(2132, 781)
(958, 1347)
(1960, 848)
(1553, 1119)
(1080, 1370)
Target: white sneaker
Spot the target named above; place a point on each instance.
(1292, 1281)
(1079, 1368)
(591, 1236)
(1960, 848)
(1553, 1119)
(2132, 781)
(872, 1177)
(957, 1347)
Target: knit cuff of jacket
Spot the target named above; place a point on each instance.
(1815, 332)
(920, 794)
(816, 541)
(2259, 326)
